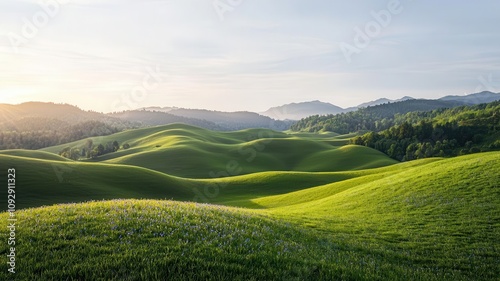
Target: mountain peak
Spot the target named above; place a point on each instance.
(382, 101)
(476, 98)
(297, 111)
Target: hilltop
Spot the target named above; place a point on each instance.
(187, 151)
(431, 219)
(35, 125)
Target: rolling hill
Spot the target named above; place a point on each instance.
(35, 125)
(148, 118)
(46, 182)
(256, 204)
(227, 121)
(430, 219)
(187, 151)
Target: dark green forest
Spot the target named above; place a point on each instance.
(36, 133)
(372, 118)
(441, 132)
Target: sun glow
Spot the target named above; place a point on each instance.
(16, 95)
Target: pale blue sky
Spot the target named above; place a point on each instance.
(96, 54)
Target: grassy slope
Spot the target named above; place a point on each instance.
(153, 134)
(187, 151)
(443, 216)
(164, 240)
(422, 220)
(33, 154)
(44, 182)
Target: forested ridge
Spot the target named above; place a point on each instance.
(36, 133)
(442, 132)
(416, 129)
(372, 118)
(35, 125)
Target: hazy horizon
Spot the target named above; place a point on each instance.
(245, 56)
(200, 108)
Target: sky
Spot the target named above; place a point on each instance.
(232, 55)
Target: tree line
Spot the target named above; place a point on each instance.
(36, 133)
(90, 150)
(443, 132)
(372, 118)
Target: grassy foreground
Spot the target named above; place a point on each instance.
(280, 217)
(436, 219)
(165, 240)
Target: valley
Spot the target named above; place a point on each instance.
(249, 140)
(191, 203)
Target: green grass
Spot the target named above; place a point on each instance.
(364, 219)
(162, 240)
(443, 214)
(433, 219)
(192, 152)
(165, 240)
(33, 154)
(45, 182)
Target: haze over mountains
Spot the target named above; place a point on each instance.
(378, 102)
(223, 120)
(38, 116)
(328, 196)
(297, 111)
(477, 98)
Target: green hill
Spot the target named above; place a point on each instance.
(430, 219)
(442, 215)
(45, 182)
(163, 240)
(309, 209)
(33, 154)
(187, 151)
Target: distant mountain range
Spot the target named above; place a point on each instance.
(297, 111)
(32, 115)
(222, 120)
(379, 102)
(478, 98)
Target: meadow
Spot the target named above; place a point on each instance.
(306, 207)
